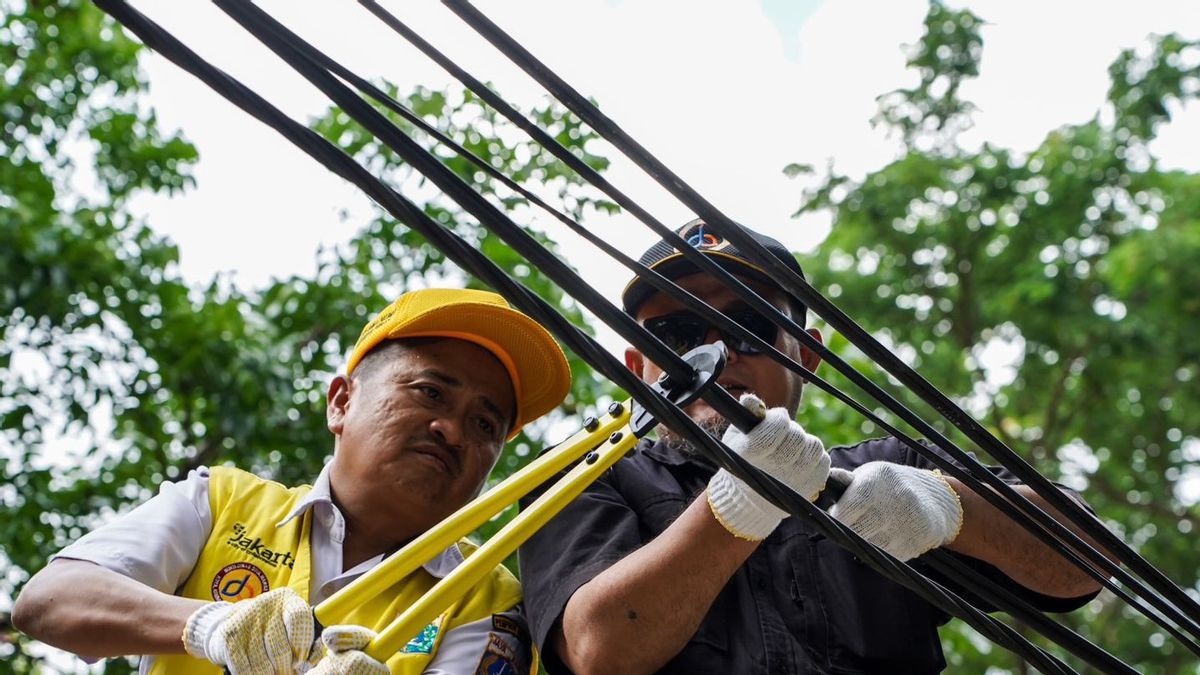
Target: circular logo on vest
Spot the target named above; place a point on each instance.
(239, 581)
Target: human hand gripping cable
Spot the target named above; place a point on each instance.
(903, 510)
(778, 446)
(272, 633)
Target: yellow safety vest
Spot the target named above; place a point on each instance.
(246, 555)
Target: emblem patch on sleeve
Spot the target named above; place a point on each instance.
(506, 624)
(423, 642)
(239, 581)
(498, 658)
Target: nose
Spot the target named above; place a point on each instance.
(447, 430)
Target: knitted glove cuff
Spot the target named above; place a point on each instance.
(954, 512)
(740, 509)
(201, 624)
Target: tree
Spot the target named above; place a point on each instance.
(76, 265)
(117, 373)
(1049, 291)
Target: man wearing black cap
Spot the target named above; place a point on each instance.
(667, 564)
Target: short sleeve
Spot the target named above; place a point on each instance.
(159, 541)
(588, 536)
(497, 644)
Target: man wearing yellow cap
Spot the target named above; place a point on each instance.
(220, 570)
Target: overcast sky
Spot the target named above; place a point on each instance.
(726, 93)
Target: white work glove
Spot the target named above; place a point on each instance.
(903, 510)
(271, 634)
(344, 655)
(778, 446)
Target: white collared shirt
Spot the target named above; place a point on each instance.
(159, 542)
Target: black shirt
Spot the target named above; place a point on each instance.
(799, 604)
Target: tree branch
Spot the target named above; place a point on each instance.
(1053, 414)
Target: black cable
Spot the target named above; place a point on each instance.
(856, 335)
(458, 250)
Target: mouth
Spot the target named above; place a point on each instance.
(735, 389)
(440, 455)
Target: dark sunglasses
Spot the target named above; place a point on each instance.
(684, 331)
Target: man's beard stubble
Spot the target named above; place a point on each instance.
(712, 423)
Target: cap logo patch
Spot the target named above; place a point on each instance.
(705, 241)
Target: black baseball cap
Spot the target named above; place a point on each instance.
(663, 258)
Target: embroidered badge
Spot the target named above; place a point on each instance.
(499, 658)
(423, 642)
(508, 625)
(504, 623)
(239, 581)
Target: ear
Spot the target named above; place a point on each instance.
(634, 361)
(337, 402)
(808, 358)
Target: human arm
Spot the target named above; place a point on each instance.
(991, 536)
(641, 611)
(118, 582)
(120, 616)
(116, 616)
(117, 577)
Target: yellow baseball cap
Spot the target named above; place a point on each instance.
(539, 371)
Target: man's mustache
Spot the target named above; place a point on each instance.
(429, 444)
